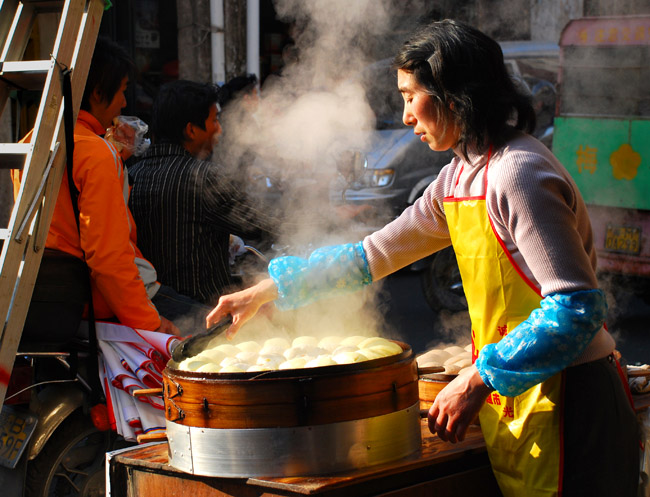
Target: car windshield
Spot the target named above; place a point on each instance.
(380, 84)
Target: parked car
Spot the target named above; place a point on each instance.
(396, 168)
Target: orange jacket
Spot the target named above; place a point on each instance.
(108, 234)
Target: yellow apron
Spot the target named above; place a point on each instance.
(524, 433)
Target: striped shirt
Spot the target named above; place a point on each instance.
(185, 210)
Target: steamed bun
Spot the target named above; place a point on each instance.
(210, 367)
(235, 368)
(353, 340)
(305, 341)
(213, 355)
(330, 343)
(258, 367)
(344, 348)
(303, 350)
(455, 350)
(321, 360)
(389, 349)
(247, 356)
(295, 363)
(250, 346)
(372, 341)
(349, 357)
(271, 361)
(371, 354)
(275, 345)
(228, 349)
(193, 363)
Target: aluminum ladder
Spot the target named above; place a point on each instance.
(43, 159)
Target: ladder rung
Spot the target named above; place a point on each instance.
(25, 74)
(46, 5)
(12, 155)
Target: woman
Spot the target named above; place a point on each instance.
(553, 408)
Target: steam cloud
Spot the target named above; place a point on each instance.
(316, 108)
(307, 116)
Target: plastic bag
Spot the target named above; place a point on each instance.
(128, 133)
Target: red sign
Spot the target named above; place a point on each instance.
(630, 30)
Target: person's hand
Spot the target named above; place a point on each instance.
(125, 134)
(166, 326)
(242, 306)
(457, 405)
(123, 137)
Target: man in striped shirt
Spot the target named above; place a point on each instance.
(184, 205)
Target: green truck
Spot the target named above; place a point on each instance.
(602, 133)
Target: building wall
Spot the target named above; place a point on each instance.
(541, 20)
(194, 38)
(549, 18)
(235, 28)
(194, 52)
(615, 7)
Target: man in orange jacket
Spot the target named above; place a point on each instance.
(123, 281)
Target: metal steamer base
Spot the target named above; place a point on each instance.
(294, 451)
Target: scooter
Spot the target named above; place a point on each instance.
(51, 440)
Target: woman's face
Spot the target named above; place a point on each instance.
(421, 113)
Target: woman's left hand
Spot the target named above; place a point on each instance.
(457, 405)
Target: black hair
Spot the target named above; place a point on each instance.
(236, 86)
(464, 72)
(178, 103)
(109, 66)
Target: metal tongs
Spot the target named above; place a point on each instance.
(196, 343)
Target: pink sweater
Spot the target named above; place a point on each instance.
(535, 207)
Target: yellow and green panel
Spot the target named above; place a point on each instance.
(609, 159)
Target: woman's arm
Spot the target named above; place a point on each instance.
(548, 341)
(295, 282)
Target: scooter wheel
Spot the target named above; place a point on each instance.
(441, 283)
(72, 461)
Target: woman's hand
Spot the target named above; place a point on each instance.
(457, 405)
(243, 305)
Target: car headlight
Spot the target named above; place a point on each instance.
(376, 178)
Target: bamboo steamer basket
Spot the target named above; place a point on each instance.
(429, 385)
(293, 422)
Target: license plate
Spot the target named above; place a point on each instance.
(623, 239)
(16, 428)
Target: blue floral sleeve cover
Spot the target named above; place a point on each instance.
(329, 271)
(550, 339)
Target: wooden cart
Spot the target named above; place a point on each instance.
(438, 468)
